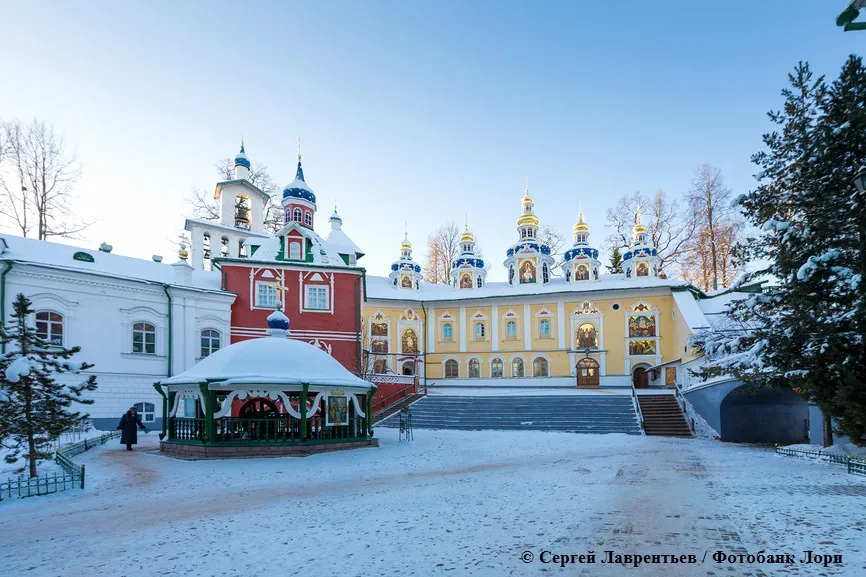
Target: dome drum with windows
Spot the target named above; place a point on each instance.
(405, 272)
(580, 262)
(529, 260)
(265, 396)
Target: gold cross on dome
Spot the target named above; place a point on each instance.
(280, 290)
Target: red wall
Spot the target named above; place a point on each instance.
(336, 331)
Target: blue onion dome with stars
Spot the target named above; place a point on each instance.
(529, 260)
(467, 270)
(580, 262)
(278, 323)
(641, 259)
(241, 158)
(405, 272)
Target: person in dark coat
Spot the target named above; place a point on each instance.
(128, 424)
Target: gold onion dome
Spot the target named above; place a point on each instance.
(580, 226)
(406, 243)
(527, 219)
(638, 223)
(466, 236)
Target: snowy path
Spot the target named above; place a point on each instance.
(452, 503)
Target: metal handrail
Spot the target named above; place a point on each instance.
(681, 401)
(420, 390)
(636, 404)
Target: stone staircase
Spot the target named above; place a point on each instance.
(395, 408)
(662, 416)
(570, 413)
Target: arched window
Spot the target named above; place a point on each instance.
(544, 328)
(511, 330)
(586, 337)
(587, 373)
(567, 275)
(447, 331)
(452, 370)
(539, 367)
(224, 247)
(517, 367)
(474, 368)
(496, 368)
(146, 410)
(511, 274)
(210, 342)
(480, 282)
(49, 326)
(242, 212)
(545, 274)
(308, 218)
(296, 215)
(479, 331)
(380, 366)
(144, 338)
(409, 342)
(295, 250)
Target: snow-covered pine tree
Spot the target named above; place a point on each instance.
(805, 333)
(615, 266)
(34, 407)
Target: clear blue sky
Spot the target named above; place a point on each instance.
(418, 112)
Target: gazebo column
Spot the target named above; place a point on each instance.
(209, 425)
(303, 406)
(368, 410)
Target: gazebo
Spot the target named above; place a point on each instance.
(263, 397)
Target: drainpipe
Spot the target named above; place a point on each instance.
(358, 321)
(164, 411)
(426, 331)
(170, 332)
(3, 297)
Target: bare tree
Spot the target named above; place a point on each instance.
(668, 227)
(37, 173)
(555, 240)
(207, 208)
(443, 245)
(709, 261)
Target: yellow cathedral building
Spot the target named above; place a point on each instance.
(583, 326)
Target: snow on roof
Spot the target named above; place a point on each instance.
(382, 288)
(718, 304)
(270, 361)
(340, 241)
(52, 254)
(692, 313)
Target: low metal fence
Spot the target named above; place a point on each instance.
(855, 465)
(72, 477)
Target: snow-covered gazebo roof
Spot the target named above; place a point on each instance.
(269, 361)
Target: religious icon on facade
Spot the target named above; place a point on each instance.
(409, 342)
(380, 346)
(642, 326)
(582, 272)
(465, 281)
(406, 281)
(379, 329)
(338, 411)
(642, 269)
(587, 337)
(527, 272)
(642, 347)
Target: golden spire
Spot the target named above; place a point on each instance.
(581, 226)
(406, 243)
(242, 141)
(299, 148)
(638, 223)
(467, 236)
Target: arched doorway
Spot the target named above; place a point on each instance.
(409, 368)
(254, 425)
(587, 373)
(640, 377)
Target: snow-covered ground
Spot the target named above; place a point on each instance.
(452, 503)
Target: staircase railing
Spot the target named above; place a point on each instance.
(388, 402)
(681, 401)
(636, 404)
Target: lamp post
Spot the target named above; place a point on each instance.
(847, 17)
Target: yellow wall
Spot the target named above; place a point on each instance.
(671, 328)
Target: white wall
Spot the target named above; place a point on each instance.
(99, 312)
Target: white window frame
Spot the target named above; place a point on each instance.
(475, 330)
(144, 413)
(308, 218)
(210, 337)
(271, 289)
(144, 332)
(296, 214)
(295, 244)
(445, 368)
(447, 338)
(326, 295)
(50, 323)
